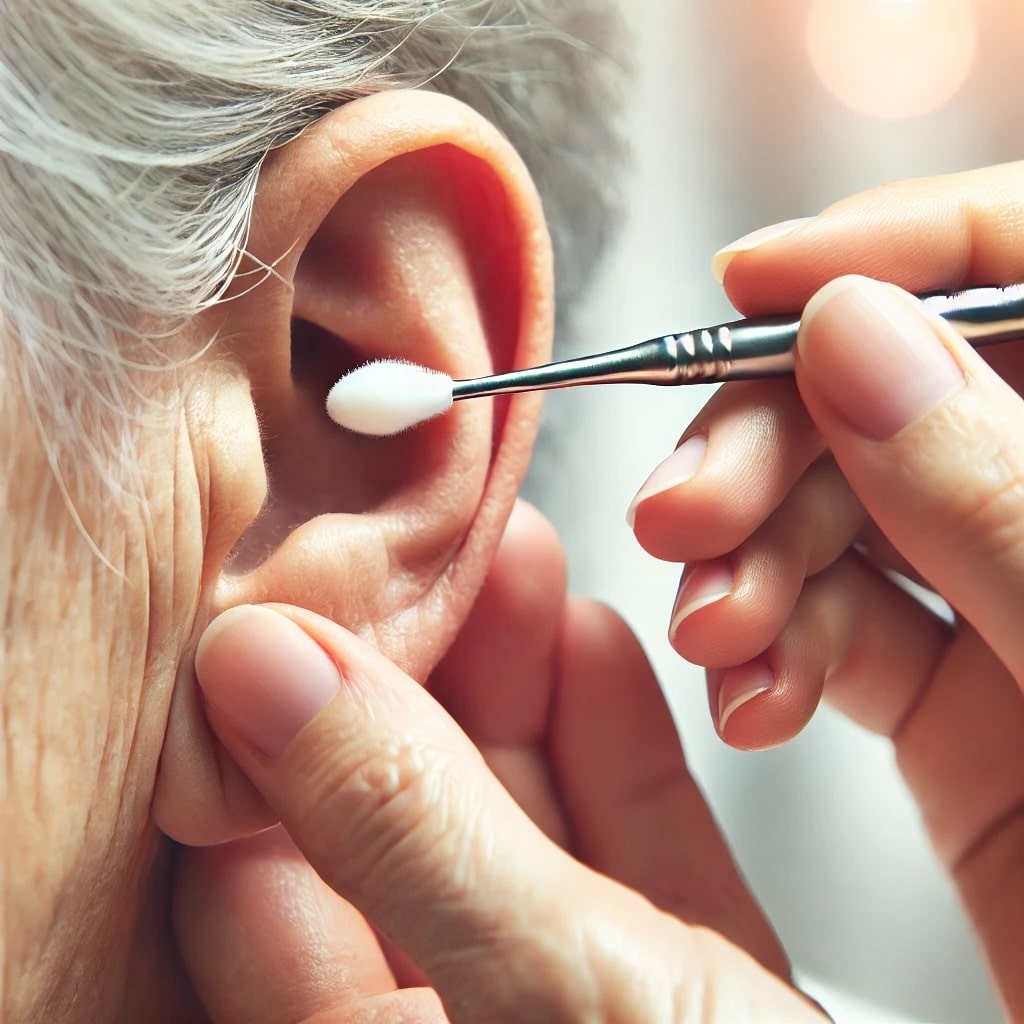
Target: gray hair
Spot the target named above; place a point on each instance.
(132, 133)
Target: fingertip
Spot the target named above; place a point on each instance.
(722, 259)
(219, 633)
(702, 585)
(757, 705)
(671, 474)
(872, 360)
(263, 675)
(739, 688)
(742, 456)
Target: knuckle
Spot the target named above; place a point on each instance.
(388, 808)
(990, 514)
(963, 464)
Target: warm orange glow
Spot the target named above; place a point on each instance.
(892, 59)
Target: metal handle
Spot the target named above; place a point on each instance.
(742, 349)
(984, 316)
(763, 346)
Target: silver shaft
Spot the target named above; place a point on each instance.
(742, 349)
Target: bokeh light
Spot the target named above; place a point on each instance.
(892, 59)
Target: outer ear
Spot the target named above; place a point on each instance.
(400, 225)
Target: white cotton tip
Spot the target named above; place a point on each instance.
(388, 396)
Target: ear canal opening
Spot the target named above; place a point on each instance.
(299, 489)
(319, 358)
(316, 468)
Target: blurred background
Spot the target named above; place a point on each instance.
(744, 113)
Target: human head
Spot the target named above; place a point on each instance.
(209, 209)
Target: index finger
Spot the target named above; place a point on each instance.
(923, 234)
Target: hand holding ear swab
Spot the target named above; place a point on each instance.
(388, 396)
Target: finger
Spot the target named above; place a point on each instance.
(751, 442)
(925, 433)
(848, 617)
(954, 714)
(637, 815)
(923, 235)
(394, 807)
(265, 940)
(729, 610)
(496, 681)
(959, 748)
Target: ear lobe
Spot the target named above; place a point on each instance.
(402, 226)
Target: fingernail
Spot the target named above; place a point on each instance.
(874, 356)
(740, 686)
(721, 260)
(679, 467)
(264, 675)
(701, 585)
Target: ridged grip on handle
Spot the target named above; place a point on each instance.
(740, 350)
(763, 346)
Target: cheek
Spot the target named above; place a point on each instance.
(81, 729)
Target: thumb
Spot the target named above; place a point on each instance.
(397, 811)
(387, 799)
(927, 435)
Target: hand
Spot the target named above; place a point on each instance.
(785, 594)
(617, 902)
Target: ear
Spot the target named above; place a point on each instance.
(400, 225)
